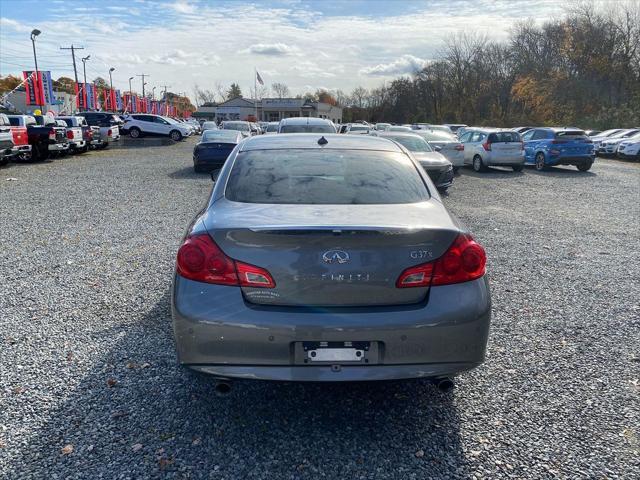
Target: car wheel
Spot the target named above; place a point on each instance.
(175, 135)
(478, 166)
(134, 132)
(456, 169)
(585, 166)
(540, 162)
(517, 168)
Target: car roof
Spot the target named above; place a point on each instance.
(398, 134)
(304, 121)
(310, 140)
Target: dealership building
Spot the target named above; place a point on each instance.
(268, 110)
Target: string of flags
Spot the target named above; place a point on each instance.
(88, 96)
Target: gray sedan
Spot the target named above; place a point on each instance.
(328, 258)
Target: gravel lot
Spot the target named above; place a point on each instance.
(90, 388)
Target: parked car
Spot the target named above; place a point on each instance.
(596, 139)
(90, 134)
(306, 125)
(484, 147)
(212, 150)
(77, 142)
(8, 149)
(240, 126)
(592, 133)
(435, 164)
(521, 130)
(356, 129)
(209, 126)
(445, 143)
(110, 124)
(545, 147)
(609, 146)
(455, 126)
(629, 148)
(195, 124)
(271, 128)
(399, 128)
(381, 127)
(345, 267)
(141, 124)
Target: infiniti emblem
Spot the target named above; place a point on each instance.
(335, 256)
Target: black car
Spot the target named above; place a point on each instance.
(213, 149)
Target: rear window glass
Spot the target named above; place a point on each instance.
(357, 128)
(241, 126)
(220, 135)
(324, 177)
(272, 128)
(570, 133)
(307, 129)
(412, 143)
(68, 122)
(504, 137)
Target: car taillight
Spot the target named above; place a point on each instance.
(459, 147)
(487, 146)
(69, 134)
(200, 259)
(465, 260)
(52, 134)
(109, 132)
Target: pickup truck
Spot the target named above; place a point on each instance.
(77, 143)
(45, 137)
(109, 124)
(91, 135)
(7, 147)
(21, 148)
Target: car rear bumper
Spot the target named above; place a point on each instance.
(58, 147)
(504, 161)
(570, 160)
(80, 144)
(218, 332)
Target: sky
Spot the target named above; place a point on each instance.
(305, 44)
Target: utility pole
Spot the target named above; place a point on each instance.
(143, 83)
(73, 56)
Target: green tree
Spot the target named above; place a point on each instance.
(234, 91)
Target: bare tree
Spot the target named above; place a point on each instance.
(358, 96)
(203, 95)
(280, 90)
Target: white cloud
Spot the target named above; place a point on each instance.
(182, 7)
(406, 64)
(271, 49)
(13, 25)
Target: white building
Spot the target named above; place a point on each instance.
(64, 105)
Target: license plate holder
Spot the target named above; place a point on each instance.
(336, 353)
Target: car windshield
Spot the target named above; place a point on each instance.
(272, 127)
(570, 134)
(307, 129)
(413, 143)
(357, 128)
(220, 136)
(399, 129)
(240, 126)
(171, 121)
(324, 177)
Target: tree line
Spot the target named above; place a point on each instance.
(581, 70)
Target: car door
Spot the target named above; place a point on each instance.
(464, 139)
(531, 140)
(162, 126)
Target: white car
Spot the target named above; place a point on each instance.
(358, 129)
(629, 148)
(597, 139)
(306, 125)
(609, 146)
(485, 147)
(139, 124)
(194, 123)
(271, 128)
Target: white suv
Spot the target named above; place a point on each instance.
(629, 148)
(139, 124)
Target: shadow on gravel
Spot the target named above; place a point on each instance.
(187, 173)
(129, 419)
(565, 172)
(492, 172)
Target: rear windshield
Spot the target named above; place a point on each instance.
(324, 177)
(570, 134)
(357, 128)
(220, 136)
(413, 143)
(504, 137)
(436, 136)
(68, 122)
(243, 127)
(272, 128)
(307, 129)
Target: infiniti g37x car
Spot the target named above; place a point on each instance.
(328, 258)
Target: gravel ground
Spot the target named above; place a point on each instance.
(90, 388)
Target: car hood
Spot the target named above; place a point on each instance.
(431, 159)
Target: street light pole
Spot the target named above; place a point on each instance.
(111, 78)
(84, 67)
(34, 33)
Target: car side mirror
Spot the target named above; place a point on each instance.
(438, 148)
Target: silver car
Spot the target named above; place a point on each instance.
(306, 125)
(445, 143)
(485, 147)
(328, 258)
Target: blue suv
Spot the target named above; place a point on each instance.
(546, 147)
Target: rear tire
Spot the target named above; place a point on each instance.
(135, 132)
(540, 166)
(478, 166)
(517, 168)
(583, 167)
(175, 135)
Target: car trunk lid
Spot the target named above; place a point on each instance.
(333, 255)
